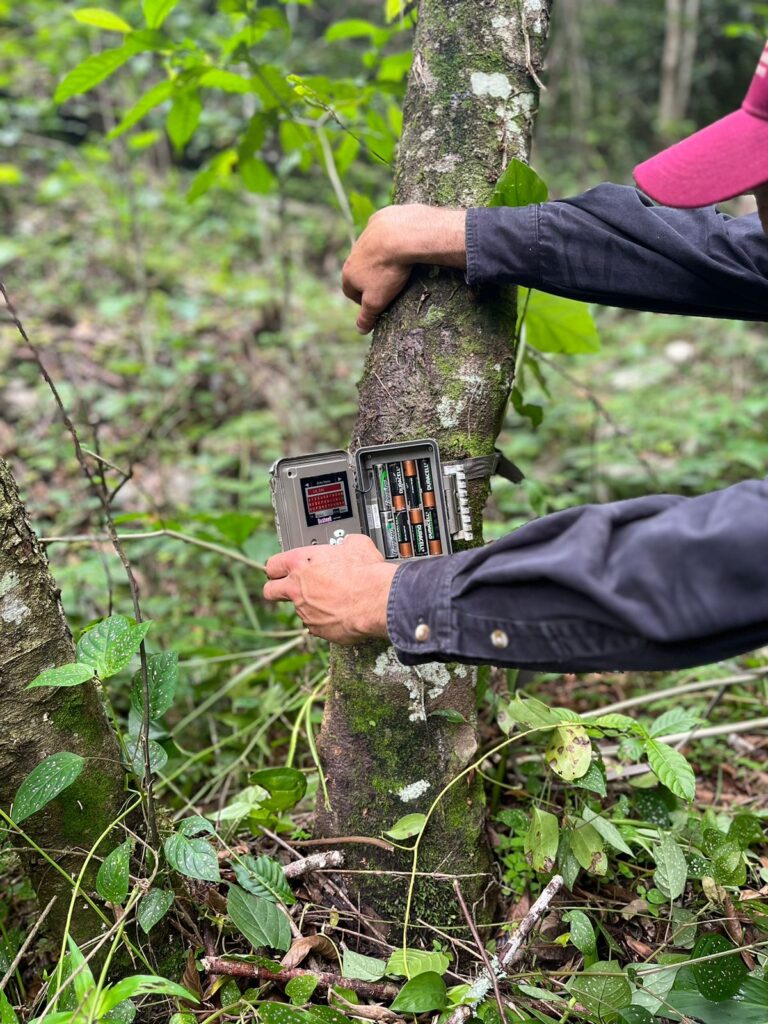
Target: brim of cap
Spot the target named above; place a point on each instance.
(723, 160)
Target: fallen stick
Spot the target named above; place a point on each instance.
(314, 862)
(27, 943)
(510, 951)
(242, 969)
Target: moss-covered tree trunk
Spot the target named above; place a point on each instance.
(36, 723)
(441, 365)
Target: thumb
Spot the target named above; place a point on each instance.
(366, 318)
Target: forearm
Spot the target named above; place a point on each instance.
(651, 583)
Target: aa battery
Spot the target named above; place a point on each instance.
(403, 534)
(433, 531)
(381, 472)
(396, 485)
(390, 535)
(416, 518)
(427, 484)
(412, 490)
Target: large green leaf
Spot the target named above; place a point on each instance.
(534, 714)
(111, 644)
(569, 753)
(156, 11)
(671, 768)
(582, 934)
(424, 992)
(113, 881)
(671, 867)
(143, 985)
(674, 720)
(261, 921)
(607, 830)
(519, 185)
(406, 827)
(556, 324)
(7, 1013)
(263, 876)
(722, 977)
(588, 849)
(286, 786)
(45, 782)
(541, 840)
(603, 988)
(183, 117)
(91, 71)
(73, 674)
(299, 990)
(152, 98)
(101, 18)
(162, 679)
(153, 908)
(195, 858)
(409, 963)
(365, 968)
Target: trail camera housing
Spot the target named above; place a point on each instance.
(400, 495)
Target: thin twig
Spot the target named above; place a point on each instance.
(326, 980)
(481, 949)
(658, 695)
(103, 498)
(512, 949)
(365, 840)
(314, 862)
(27, 943)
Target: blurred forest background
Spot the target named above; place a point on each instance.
(185, 291)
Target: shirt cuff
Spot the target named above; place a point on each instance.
(419, 613)
(502, 244)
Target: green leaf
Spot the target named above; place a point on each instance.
(364, 968)
(542, 840)
(263, 876)
(256, 175)
(112, 881)
(153, 908)
(111, 644)
(143, 985)
(721, 978)
(593, 779)
(409, 963)
(671, 769)
(286, 786)
(183, 118)
(746, 830)
(44, 783)
(582, 934)
(152, 98)
(555, 324)
(602, 988)
(162, 679)
(448, 714)
(587, 846)
(227, 81)
(91, 71)
(607, 830)
(534, 714)
(671, 867)
(7, 1013)
(634, 1015)
(569, 753)
(156, 11)
(100, 18)
(195, 858)
(356, 28)
(567, 864)
(728, 867)
(674, 720)
(519, 185)
(261, 921)
(613, 721)
(731, 1011)
(424, 992)
(408, 826)
(134, 749)
(196, 825)
(300, 989)
(73, 674)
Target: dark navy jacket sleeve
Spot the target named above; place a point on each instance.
(650, 583)
(653, 583)
(612, 246)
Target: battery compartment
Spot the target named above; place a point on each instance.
(401, 490)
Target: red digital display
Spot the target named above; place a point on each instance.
(326, 498)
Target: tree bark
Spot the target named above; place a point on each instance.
(441, 365)
(680, 37)
(36, 723)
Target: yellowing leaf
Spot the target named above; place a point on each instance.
(569, 753)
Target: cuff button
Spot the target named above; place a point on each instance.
(499, 638)
(421, 633)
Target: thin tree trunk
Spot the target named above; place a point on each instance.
(36, 723)
(680, 38)
(441, 365)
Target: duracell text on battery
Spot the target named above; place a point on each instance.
(403, 534)
(416, 517)
(412, 489)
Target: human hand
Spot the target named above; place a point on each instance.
(340, 591)
(396, 237)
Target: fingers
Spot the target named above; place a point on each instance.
(366, 318)
(281, 590)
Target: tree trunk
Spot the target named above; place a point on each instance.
(36, 723)
(680, 37)
(441, 366)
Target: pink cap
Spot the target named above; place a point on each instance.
(723, 160)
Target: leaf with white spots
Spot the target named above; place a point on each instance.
(153, 908)
(261, 921)
(45, 782)
(602, 988)
(365, 968)
(134, 748)
(195, 858)
(607, 830)
(111, 644)
(7, 1012)
(162, 678)
(301, 988)
(113, 881)
(64, 675)
(671, 867)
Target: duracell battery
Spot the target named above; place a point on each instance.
(381, 473)
(427, 485)
(403, 534)
(417, 530)
(396, 485)
(433, 531)
(412, 488)
(390, 536)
